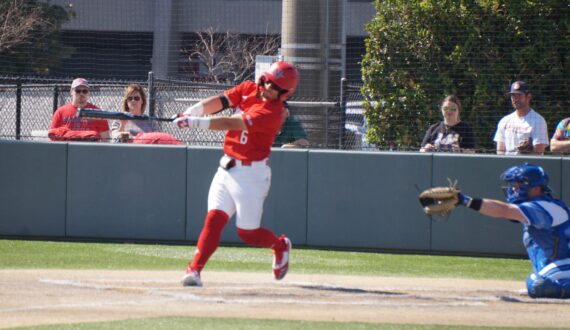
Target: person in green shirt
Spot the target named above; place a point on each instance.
(292, 134)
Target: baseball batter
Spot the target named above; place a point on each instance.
(243, 178)
(546, 227)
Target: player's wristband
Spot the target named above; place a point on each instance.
(203, 123)
(470, 202)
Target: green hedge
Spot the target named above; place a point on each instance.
(419, 51)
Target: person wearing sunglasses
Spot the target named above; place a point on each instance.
(67, 126)
(134, 102)
(451, 134)
(243, 177)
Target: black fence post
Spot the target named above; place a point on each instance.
(18, 109)
(342, 106)
(55, 98)
(151, 94)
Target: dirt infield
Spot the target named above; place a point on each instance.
(34, 297)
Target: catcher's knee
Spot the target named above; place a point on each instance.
(540, 287)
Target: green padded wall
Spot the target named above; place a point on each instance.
(32, 188)
(319, 198)
(367, 200)
(126, 191)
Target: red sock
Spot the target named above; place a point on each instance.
(261, 237)
(209, 239)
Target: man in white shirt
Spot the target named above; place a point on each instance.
(523, 131)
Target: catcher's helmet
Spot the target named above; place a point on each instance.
(283, 75)
(520, 179)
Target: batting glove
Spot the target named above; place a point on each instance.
(192, 122)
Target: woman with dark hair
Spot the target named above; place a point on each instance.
(451, 134)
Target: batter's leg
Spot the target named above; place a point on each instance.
(265, 238)
(209, 239)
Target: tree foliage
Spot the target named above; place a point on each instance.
(28, 29)
(419, 51)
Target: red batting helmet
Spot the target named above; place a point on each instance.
(284, 75)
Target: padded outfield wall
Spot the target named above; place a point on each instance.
(347, 200)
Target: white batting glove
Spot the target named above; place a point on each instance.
(197, 110)
(192, 122)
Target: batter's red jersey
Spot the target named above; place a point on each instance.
(262, 118)
(67, 116)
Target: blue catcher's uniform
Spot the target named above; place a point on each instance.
(546, 237)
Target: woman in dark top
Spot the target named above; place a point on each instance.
(451, 134)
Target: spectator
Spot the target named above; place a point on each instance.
(545, 226)
(292, 134)
(134, 102)
(67, 126)
(560, 142)
(138, 131)
(451, 134)
(523, 131)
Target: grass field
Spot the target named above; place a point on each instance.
(18, 254)
(65, 255)
(181, 323)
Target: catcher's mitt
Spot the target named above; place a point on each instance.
(439, 200)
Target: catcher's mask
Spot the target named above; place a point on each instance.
(520, 179)
(282, 75)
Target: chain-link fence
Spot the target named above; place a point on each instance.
(27, 106)
(354, 121)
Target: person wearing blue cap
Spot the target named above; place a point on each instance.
(523, 131)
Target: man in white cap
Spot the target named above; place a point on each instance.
(67, 126)
(524, 130)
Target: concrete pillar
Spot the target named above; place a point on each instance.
(312, 38)
(166, 45)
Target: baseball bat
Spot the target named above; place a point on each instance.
(101, 114)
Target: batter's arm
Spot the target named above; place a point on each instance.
(234, 122)
(208, 106)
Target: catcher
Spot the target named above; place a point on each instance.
(545, 221)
